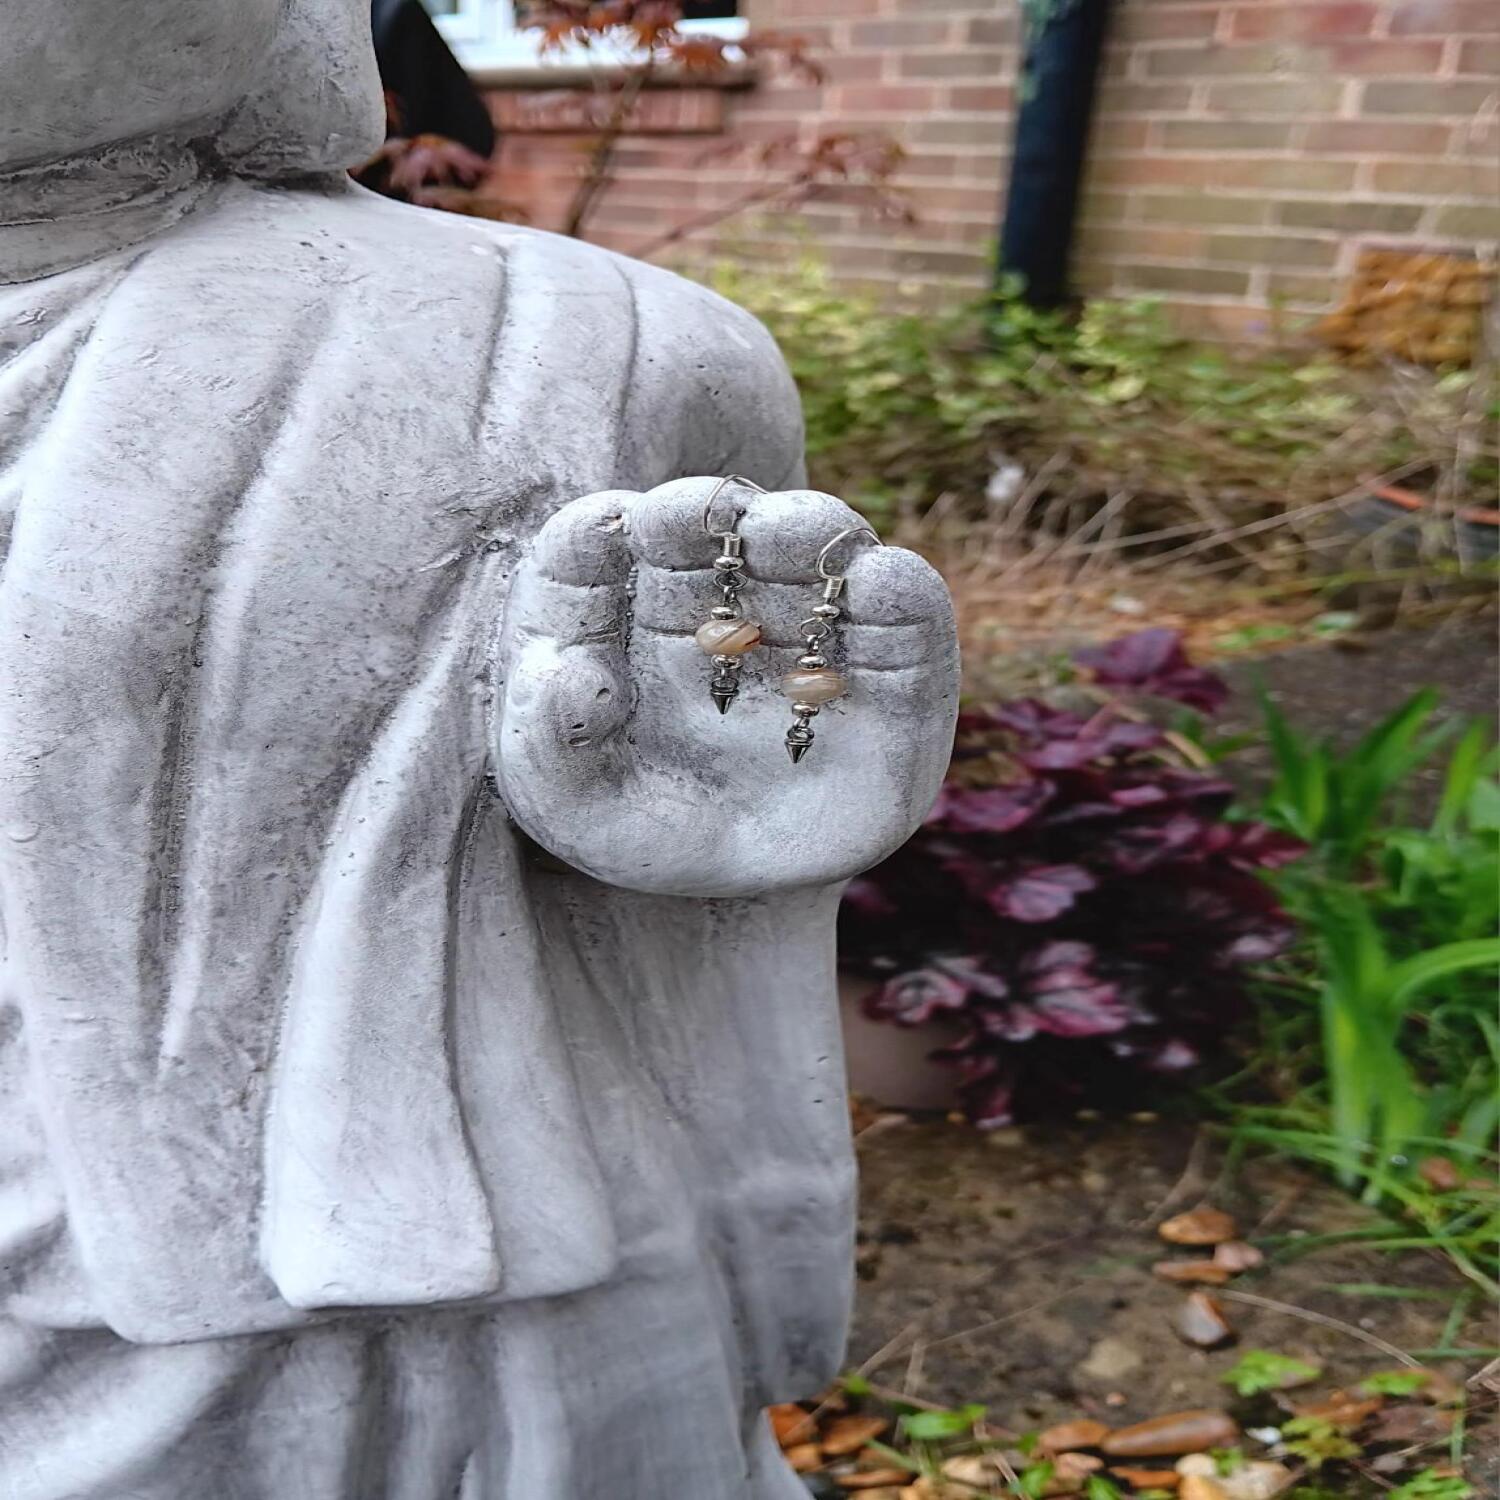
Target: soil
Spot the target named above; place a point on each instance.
(1013, 1269)
(1339, 691)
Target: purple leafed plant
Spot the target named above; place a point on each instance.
(1076, 905)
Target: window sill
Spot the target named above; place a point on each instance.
(565, 74)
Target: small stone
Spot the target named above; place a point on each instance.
(1149, 1479)
(1260, 1479)
(814, 685)
(1069, 1470)
(873, 1479)
(1342, 1409)
(1176, 1432)
(1236, 1256)
(1201, 1322)
(1200, 1487)
(727, 637)
(1439, 1174)
(1205, 1271)
(1110, 1359)
(1201, 1464)
(791, 1424)
(1083, 1433)
(1199, 1226)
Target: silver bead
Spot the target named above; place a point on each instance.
(805, 710)
(724, 612)
(728, 564)
(827, 611)
(812, 659)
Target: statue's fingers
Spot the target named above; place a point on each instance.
(566, 681)
(896, 637)
(571, 587)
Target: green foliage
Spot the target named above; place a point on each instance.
(1394, 1383)
(1391, 999)
(905, 406)
(1317, 1442)
(1431, 1485)
(932, 1426)
(1262, 1370)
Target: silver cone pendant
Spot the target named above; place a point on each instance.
(723, 693)
(799, 740)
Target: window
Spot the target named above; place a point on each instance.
(491, 34)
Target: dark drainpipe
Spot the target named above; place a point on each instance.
(1059, 74)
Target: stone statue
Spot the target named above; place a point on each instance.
(419, 1070)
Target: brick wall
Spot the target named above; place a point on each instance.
(1244, 150)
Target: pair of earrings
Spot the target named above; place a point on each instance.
(727, 635)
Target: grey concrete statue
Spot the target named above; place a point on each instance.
(419, 1073)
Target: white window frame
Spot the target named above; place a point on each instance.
(485, 38)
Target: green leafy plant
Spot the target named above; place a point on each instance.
(1430, 1484)
(1262, 1370)
(1394, 1383)
(1194, 451)
(1317, 1442)
(1389, 1002)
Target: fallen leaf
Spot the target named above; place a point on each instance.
(804, 1457)
(873, 1479)
(850, 1434)
(1200, 1487)
(972, 1468)
(791, 1424)
(1083, 1433)
(1201, 1321)
(1236, 1256)
(1342, 1410)
(1150, 1479)
(1177, 1432)
(1199, 1226)
(1069, 1470)
(1439, 1174)
(1207, 1271)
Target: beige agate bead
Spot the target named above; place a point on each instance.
(814, 685)
(727, 637)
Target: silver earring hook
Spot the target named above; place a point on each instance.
(713, 495)
(822, 564)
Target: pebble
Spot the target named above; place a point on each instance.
(1176, 1432)
(1199, 1226)
(1201, 1322)
(1110, 1359)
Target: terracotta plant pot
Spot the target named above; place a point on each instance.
(889, 1064)
(1399, 515)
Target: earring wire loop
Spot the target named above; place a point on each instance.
(713, 495)
(822, 564)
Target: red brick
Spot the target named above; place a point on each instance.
(884, 98)
(1282, 22)
(901, 34)
(1209, 280)
(1438, 179)
(1115, 136)
(1302, 291)
(939, 130)
(1270, 250)
(1202, 208)
(997, 98)
(1445, 18)
(1455, 100)
(1143, 98)
(1300, 97)
(1481, 57)
(1375, 138)
(1384, 58)
(994, 31)
(1470, 221)
(971, 63)
(1159, 23)
(1223, 135)
(1350, 216)
(1140, 242)
(1219, 60)
(855, 67)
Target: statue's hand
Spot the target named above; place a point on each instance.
(612, 755)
